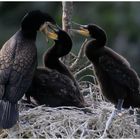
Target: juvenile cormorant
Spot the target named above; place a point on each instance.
(119, 82)
(18, 60)
(54, 85)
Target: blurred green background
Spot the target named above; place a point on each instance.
(120, 20)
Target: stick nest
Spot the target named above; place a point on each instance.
(71, 122)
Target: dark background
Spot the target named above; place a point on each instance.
(120, 20)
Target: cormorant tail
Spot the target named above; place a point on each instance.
(8, 114)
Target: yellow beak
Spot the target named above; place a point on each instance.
(51, 35)
(82, 31)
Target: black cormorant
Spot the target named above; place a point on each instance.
(54, 85)
(119, 82)
(18, 60)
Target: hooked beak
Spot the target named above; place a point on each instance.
(82, 29)
(46, 27)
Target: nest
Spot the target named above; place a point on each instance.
(72, 122)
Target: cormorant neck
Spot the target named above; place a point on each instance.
(50, 57)
(100, 39)
(51, 61)
(92, 49)
(60, 49)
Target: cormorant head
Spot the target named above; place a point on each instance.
(94, 30)
(91, 30)
(63, 42)
(36, 20)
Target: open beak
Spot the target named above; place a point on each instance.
(82, 29)
(50, 30)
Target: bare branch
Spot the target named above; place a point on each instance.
(76, 74)
(67, 15)
(80, 57)
(66, 24)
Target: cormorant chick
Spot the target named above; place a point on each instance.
(54, 84)
(18, 60)
(119, 83)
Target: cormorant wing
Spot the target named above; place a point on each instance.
(56, 81)
(6, 56)
(120, 72)
(13, 76)
(55, 84)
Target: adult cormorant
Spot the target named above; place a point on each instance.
(18, 60)
(54, 85)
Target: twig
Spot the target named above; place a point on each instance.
(86, 76)
(76, 74)
(79, 57)
(108, 123)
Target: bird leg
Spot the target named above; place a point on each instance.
(119, 106)
(113, 114)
